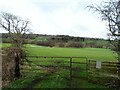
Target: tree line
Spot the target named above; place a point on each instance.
(61, 41)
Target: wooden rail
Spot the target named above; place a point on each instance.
(55, 57)
(107, 66)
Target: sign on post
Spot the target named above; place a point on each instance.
(98, 64)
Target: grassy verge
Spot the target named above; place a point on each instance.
(23, 82)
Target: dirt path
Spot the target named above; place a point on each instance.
(50, 71)
(36, 81)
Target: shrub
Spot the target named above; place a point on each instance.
(45, 43)
(60, 44)
(75, 44)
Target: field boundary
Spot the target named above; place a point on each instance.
(70, 64)
(106, 70)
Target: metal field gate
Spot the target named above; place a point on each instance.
(72, 68)
(76, 70)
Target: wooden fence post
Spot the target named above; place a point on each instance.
(71, 72)
(87, 67)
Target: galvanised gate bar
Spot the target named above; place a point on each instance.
(73, 64)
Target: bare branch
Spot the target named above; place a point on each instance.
(15, 25)
(110, 12)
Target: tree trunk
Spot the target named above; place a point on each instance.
(119, 62)
(17, 67)
(119, 70)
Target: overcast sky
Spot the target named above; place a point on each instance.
(58, 17)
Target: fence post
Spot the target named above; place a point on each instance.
(71, 72)
(86, 67)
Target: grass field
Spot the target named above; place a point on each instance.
(4, 45)
(58, 79)
(90, 53)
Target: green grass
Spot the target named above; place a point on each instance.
(90, 53)
(23, 82)
(4, 45)
(58, 80)
(54, 81)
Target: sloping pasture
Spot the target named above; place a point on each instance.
(58, 77)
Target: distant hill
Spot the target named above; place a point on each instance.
(61, 40)
(53, 37)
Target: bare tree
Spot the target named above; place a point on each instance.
(110, 12)
(17, 28)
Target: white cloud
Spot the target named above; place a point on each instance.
(70, 18)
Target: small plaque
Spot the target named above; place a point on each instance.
(98, 64)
